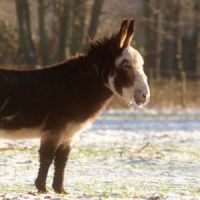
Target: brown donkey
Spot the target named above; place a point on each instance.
(58, 102)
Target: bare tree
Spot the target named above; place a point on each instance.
(179, 46)
(64, 29)
(42, 33)
(26, 46)
(95, 15)
(78, 25)
(158, 40)
(197, 27)
(149, 36)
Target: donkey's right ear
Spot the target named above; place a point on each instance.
(121, 35)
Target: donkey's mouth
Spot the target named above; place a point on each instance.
(138, 102)
(134, 103)
(130, 104)
(141, 103)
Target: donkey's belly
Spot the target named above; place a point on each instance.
(72, 130)
(68, 134)
(13, 127)
(23, 133)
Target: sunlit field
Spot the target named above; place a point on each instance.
(124, 155)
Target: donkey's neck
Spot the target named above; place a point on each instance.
(92, 90)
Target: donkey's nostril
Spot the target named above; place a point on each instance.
(144, 96)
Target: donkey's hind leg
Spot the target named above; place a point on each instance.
(47, 150)
(61, 158)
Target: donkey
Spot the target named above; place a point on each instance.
(57, 102)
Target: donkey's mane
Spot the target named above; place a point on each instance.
(94, 59)
(101, 43)
(97, 48)
(102, 46)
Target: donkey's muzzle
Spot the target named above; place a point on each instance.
(141, 97)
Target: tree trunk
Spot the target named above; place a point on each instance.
(168, 59)
(31, 53)
(64, 30)
(158, 25)
(42, 33)
(149, 35)
(197, 30)
(21, 32)
(94, 21)
(26, 46)
(179, 60)
(178, 36)
(78, 19)
(198, 51)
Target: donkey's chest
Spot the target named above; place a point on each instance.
(73, 130)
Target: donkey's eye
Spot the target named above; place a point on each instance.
(125, 63)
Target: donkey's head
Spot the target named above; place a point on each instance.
(123, 67)
(127, 79)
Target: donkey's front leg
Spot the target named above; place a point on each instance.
(61, 158)
(47, 151)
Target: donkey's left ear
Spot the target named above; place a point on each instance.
(130, 34)
(121, 35)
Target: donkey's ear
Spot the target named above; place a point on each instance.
(130, 34)
(121, 36)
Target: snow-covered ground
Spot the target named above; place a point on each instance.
(125, 155)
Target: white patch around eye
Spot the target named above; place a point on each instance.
(132, 55)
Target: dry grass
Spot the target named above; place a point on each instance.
(174, 93)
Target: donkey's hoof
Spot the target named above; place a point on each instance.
(40, 187)
(60, 190)
(42, 191)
